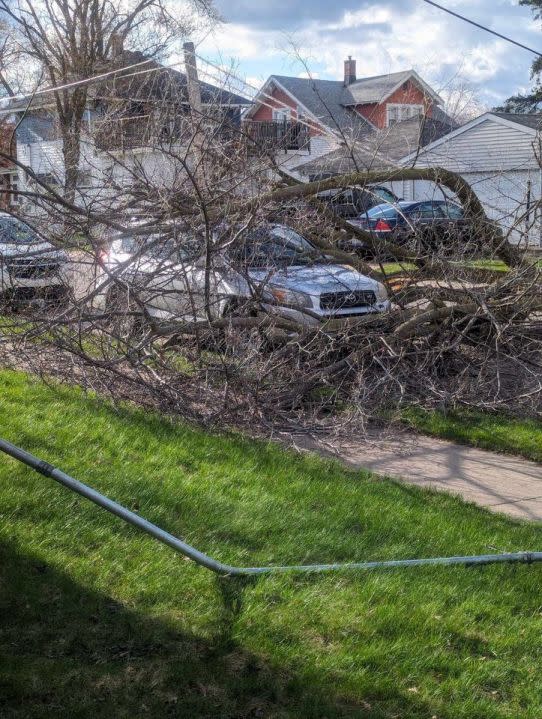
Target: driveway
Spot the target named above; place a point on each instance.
(499, 482)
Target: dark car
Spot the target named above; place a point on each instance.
(350, 202)
(421, 225)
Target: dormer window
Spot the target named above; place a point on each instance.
(398, 113)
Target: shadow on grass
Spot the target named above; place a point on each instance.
(66, 651)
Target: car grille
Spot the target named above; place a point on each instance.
(347, 299)
(32, 270)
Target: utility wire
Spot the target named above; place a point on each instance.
(483, 27)
(76, 83)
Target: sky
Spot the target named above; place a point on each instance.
(290, 37)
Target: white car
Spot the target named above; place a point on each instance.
(270, 267)
(30, 267)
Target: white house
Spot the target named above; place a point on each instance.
(499, 155)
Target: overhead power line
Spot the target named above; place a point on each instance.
(76, 83)
(483, 27)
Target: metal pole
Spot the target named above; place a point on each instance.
(48, 470)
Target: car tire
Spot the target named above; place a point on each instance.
(124, 316)
(241, 339)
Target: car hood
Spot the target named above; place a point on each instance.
(316, 279)
(33, 250)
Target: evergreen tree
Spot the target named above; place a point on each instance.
(532, 101)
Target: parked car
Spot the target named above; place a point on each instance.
(31, 269)
(269, 267)
(350, 202)
(426, 226)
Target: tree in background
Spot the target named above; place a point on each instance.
(70, 41)
(532, 101)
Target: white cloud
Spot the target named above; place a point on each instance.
(384, 37)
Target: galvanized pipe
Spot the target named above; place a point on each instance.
(48, 470)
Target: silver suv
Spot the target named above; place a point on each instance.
(30, 268)
(270, 266)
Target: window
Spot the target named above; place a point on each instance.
(274, 246)
(384, 195)
(398, 113)
(427, 210)
(282, 115)
(453, 211)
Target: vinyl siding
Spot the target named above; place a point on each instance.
(489, 146)
(499, 161)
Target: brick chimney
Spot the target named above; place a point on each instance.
(349, 71)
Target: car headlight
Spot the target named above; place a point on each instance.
(381, 292)
(290, 297)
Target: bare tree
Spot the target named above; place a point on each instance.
(174, 295)
(71, 42)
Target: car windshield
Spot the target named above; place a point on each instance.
(276, 246)
(16, 232)
(168, 249)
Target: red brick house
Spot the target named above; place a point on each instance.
(314, 117)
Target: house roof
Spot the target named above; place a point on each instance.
(529, 124)
(380, 149)
(161, 83)
(343, 161)
(35, 129)
(533, 121)
(376, 89)
(323, 100)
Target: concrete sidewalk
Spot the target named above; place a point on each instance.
(499, 482)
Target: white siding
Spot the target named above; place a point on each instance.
(505, 197)
(488, 146)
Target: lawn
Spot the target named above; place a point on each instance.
(97, 620)
(499, 433)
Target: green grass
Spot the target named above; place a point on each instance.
(487, 264)
(97, 620)
(499, 433)
(394, 268)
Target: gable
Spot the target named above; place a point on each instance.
(488, 144)
(375, 90)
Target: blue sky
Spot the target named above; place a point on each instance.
(263, 37)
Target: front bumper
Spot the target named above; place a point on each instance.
(310, 317)
(33, 291)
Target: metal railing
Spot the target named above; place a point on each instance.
(278, 134)
(48, 470)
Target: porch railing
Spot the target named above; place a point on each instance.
(278, 134)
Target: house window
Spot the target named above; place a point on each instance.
(398, 113)
(281, 115)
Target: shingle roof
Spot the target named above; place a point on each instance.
(35, 129)
(380, 149)
(405, 137)
(533, 120)
(323, 99)
(163, 83)
(373, 89)
(342, 161)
